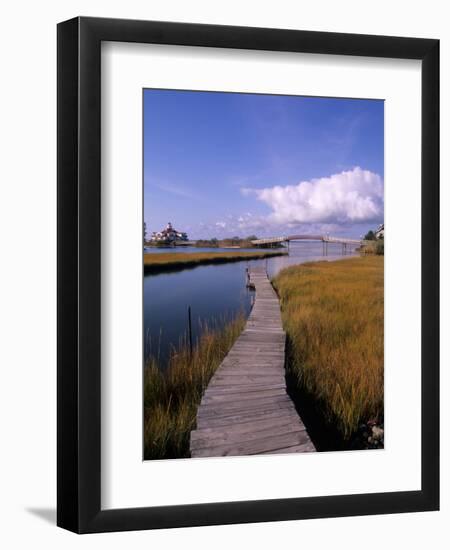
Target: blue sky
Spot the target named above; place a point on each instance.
(224, 164)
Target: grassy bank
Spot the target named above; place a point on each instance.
(333, 314)
(171, 397)
(373, 247)
(154, 263)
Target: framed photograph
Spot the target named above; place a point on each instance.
(240, 338)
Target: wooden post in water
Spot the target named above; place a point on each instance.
(190, 329)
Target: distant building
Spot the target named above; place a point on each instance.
(379, 233)
(168, 235)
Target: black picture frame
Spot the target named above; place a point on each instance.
(79, 280)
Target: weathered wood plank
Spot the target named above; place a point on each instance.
(218, 412)
(248, 396)
(226, 407)
(252, 371)
(249, 416)
(262, 362)
(220, 380)
(246, 427)
(224, 390)
(257, 446)
(199, 440)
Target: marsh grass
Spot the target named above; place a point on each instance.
(333, 314)
(373, 247)
(172, 395)
(177, 260)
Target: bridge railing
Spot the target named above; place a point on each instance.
(340, 240)
(322, 238)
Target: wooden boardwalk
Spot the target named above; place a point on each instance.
(246, 410)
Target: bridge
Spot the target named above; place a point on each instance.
(325, 239)
(322, 238)
(246, 410)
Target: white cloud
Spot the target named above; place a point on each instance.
(222, 225)
(355, 196)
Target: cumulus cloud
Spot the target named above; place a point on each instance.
(354, 196)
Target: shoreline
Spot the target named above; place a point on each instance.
(161, 263)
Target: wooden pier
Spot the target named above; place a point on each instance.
(246, 410)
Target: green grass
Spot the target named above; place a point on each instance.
(333, 313)
(172, 396)
(154, 263)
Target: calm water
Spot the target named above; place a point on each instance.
(215, 293)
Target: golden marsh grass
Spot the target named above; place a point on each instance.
(172, 396)
(333, 313)
(178, 260)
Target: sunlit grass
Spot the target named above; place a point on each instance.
(167, 260)
(333, 313)
(172, 396)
